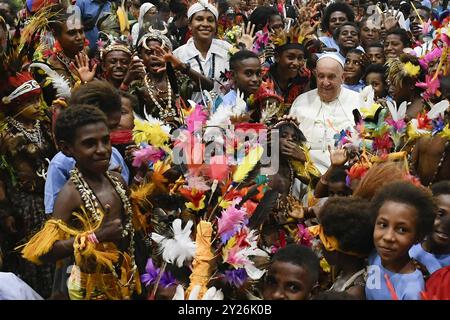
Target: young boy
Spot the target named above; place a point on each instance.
(375, 51)
(246, 69)
(434, 252)
(92, 216)
(104, 96)
(292, 274)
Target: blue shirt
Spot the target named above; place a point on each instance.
(355, 87)
(230, 98)
(407, 286)
(59, 173)
(89, 10)
(431, 261)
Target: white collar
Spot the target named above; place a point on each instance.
(215, 48)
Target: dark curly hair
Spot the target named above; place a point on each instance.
(299, 136)
(337, 6)
(349, 221)
(375, 68)
(300, 256)
(261, 16)
(407, 193)
(240, 56)
(75, 117)
(404, 37)
(441, 187)
(98, 93)
(338, 31)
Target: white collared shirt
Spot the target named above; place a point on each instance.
(187, 53)
(320, 121)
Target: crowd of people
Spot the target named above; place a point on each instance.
(230, 149)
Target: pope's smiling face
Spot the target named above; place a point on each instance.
(330, 76)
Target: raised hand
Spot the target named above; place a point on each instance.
(166, 56)
(136, 70)
(81, 66)
(247, 36)
(338, 157)
(390, 20)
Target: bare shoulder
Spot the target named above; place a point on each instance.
(67, 201)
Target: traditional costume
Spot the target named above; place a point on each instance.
(23, 161)
(114, 274)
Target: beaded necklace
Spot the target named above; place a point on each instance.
(441, 161)
(163, 113)
(34, 135)
(91, 203)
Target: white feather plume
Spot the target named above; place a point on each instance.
(438, 109)
(179, 293)
(397, 114)
(211, 294)
(60, 83)
(180, 248)
(366, 97)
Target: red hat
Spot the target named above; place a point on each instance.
(18, 89)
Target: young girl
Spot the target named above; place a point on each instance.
(434, 252)
(403, 215)
(346, 230)
(355, 63)
(403, 74)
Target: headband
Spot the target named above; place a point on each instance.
(201, 6)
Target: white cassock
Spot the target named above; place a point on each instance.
(14, 288)
(320, 121)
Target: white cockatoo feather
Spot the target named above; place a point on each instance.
(60, 83)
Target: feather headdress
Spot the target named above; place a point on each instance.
(406, 66)
(294, 36)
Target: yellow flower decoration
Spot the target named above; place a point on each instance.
(370, 112)
(224, 203)
(445, 133)
(193, 207)
(411, 69)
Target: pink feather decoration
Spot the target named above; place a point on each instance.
(196, 119)
(431, 85)
(197, 183)
(234, 259)
(149, 153)
(231, 219)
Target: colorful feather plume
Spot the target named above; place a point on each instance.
(151, 133)
(248, 163)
